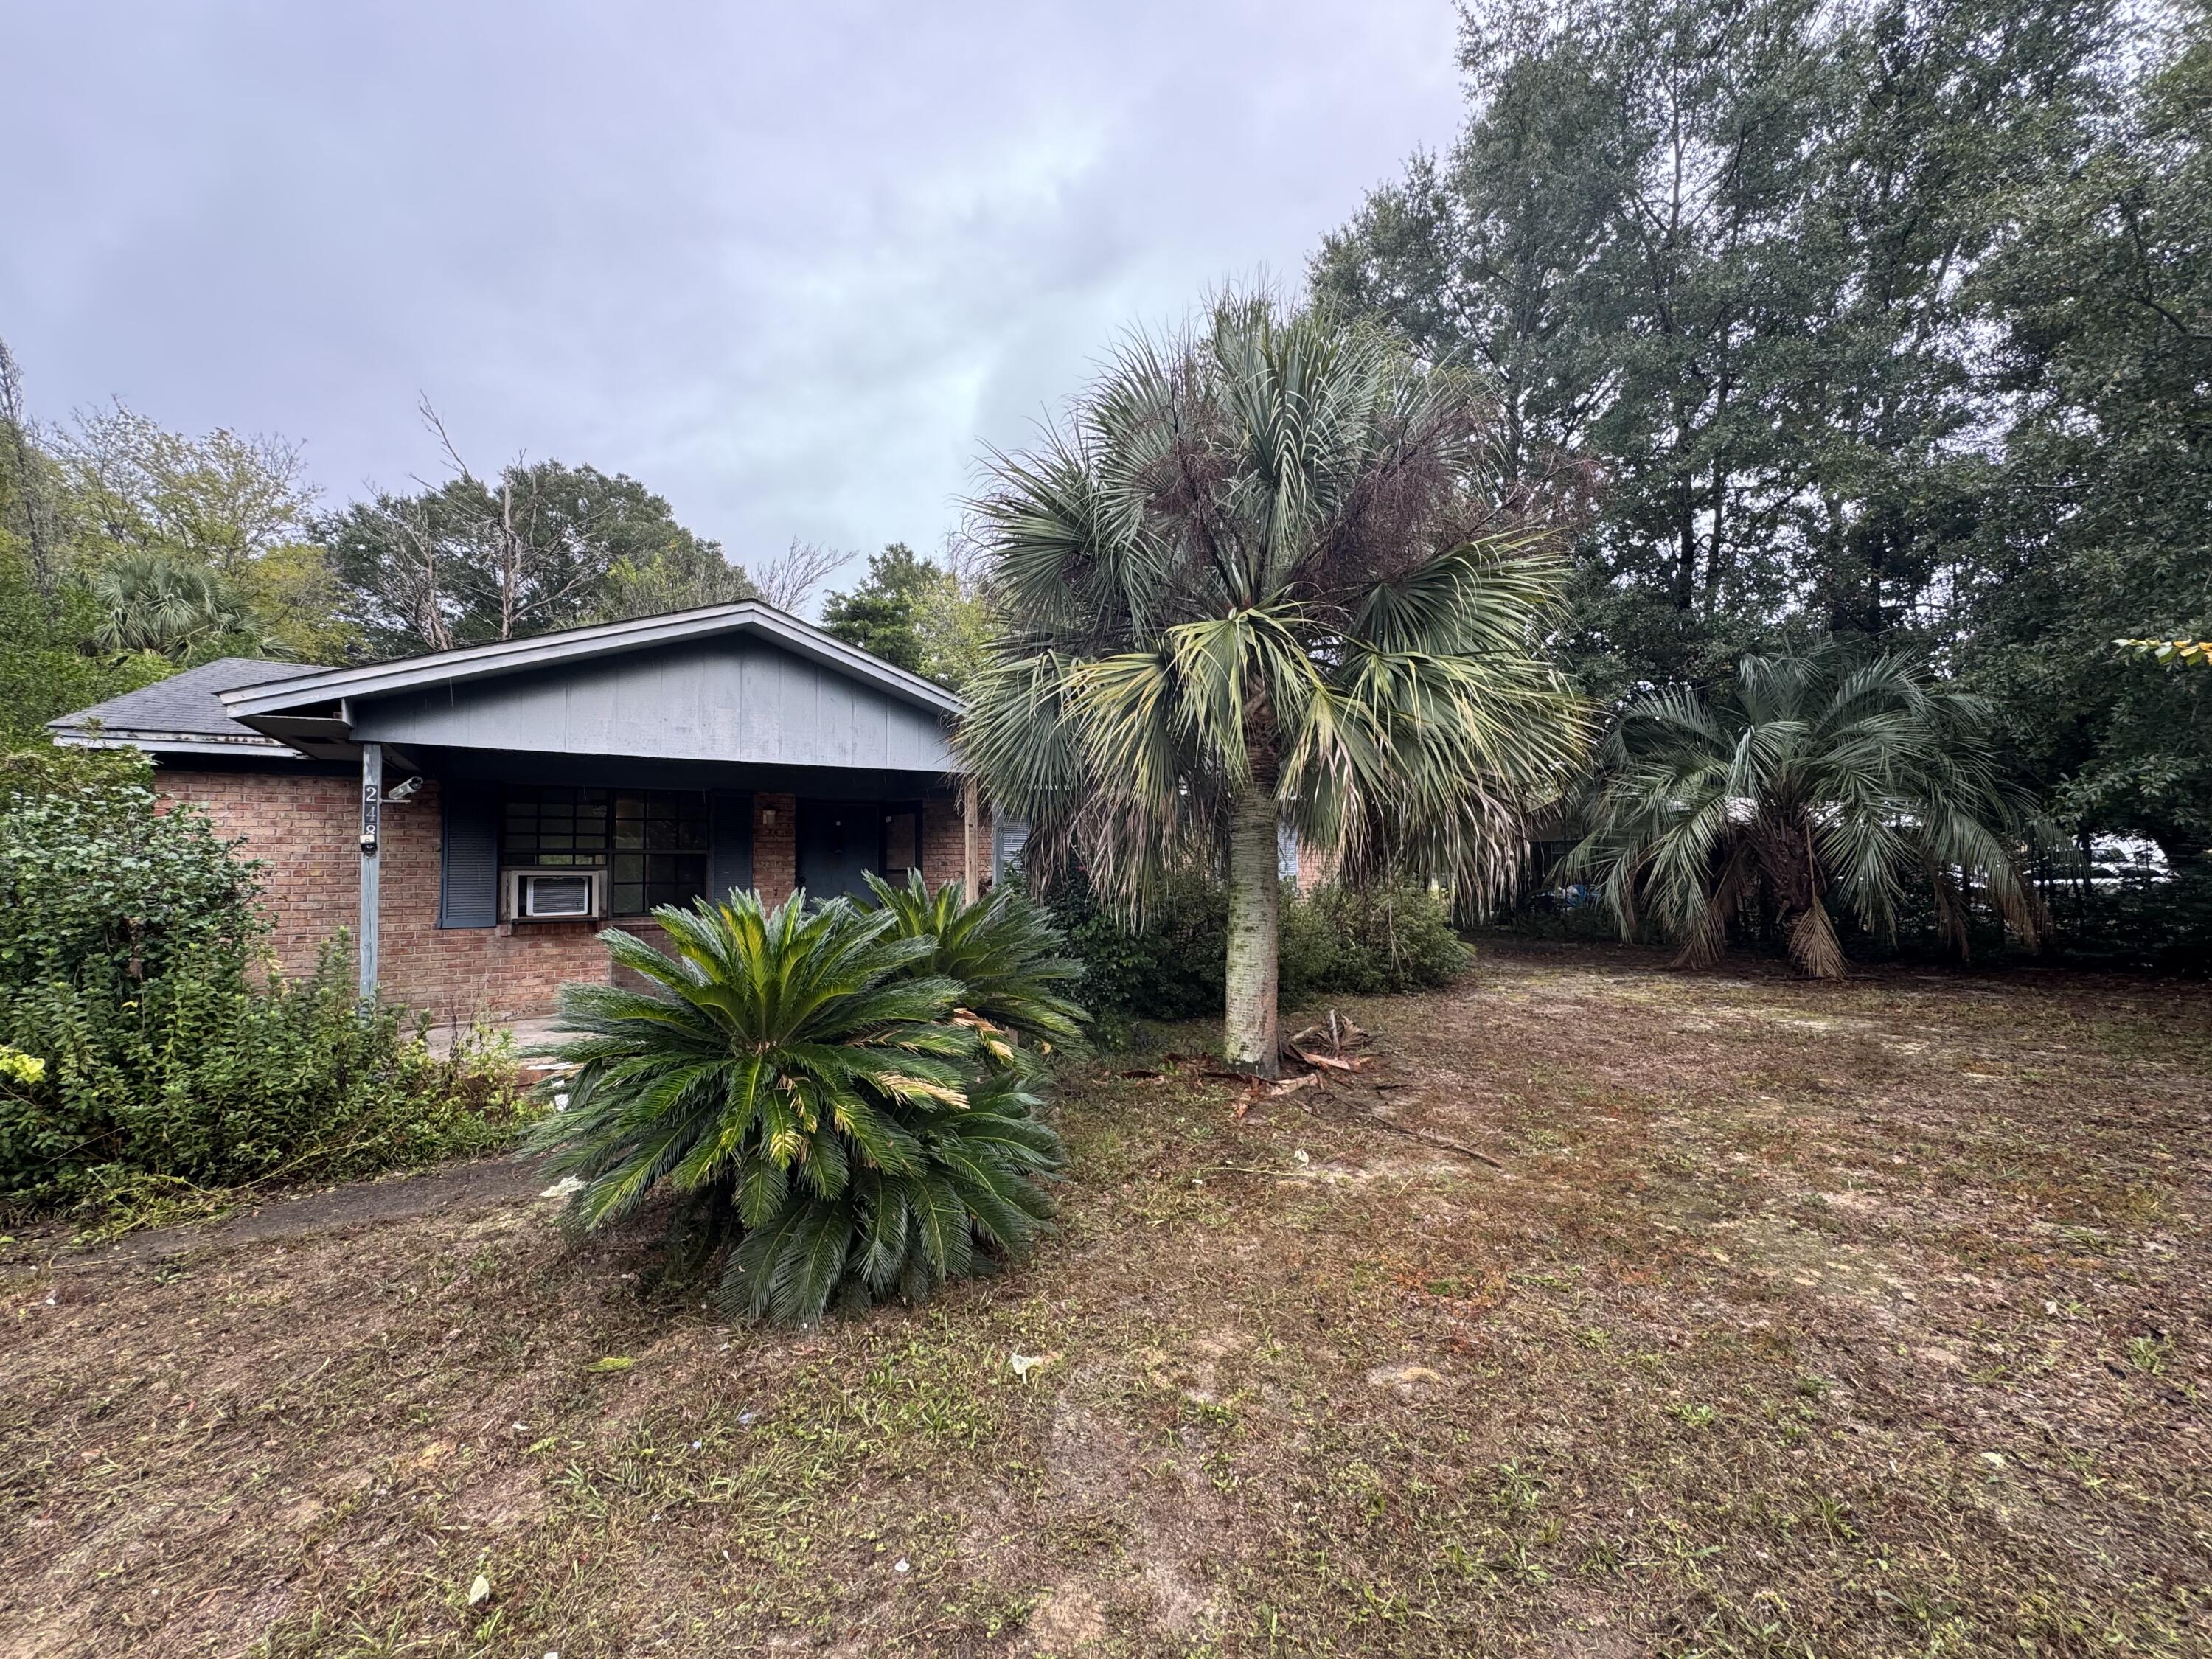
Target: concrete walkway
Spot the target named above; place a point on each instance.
(526, 1034)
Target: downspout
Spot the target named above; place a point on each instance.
(372, 816)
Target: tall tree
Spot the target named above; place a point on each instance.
(539, 545)
(45, 608)
(2099, 520)
(1719, 254)
(1269, 577)
(915, 612)
(220, 501)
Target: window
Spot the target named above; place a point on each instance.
(553, 825)
(660, 849)
(652, 842)
(901, 842)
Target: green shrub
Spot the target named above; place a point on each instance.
(1360, 941)
(804, 1084)
(99, 888)
(1355, 941)
(1010, 962)
(1171, 969)
(206, 1078)
(149, 1054)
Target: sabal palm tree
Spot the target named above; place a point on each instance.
(1265, 577)
(151, 602)
(1814, 781)
(808, 1095)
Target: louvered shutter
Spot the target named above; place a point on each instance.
(468, 855)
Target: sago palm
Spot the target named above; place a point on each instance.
(1265, 577)
(1012, 964)
(826, 1124)
(1812, 780)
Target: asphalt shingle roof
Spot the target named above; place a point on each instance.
(190, 704)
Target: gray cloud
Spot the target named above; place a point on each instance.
(792, 267)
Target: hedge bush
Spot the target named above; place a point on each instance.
(149, 1045)
(1334, 940)
(1363, 942)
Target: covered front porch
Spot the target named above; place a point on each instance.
(515, 800)
(537, 853)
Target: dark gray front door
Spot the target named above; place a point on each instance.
(838, 840)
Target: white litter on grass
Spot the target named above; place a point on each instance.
(564, 1188)
(902, 1565)
(480, 1591)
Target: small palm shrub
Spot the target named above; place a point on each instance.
(1807, 784)
(801, 1081)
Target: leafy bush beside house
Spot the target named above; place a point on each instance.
(130, 947)
(1366, 941)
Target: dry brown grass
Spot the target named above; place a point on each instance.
(1860, 1319)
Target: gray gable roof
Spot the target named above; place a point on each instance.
(338, 686)
(185, 710)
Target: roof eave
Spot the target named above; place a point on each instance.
(171, 743)
(581, 645)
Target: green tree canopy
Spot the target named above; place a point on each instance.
(1887, 321)
(915, 612)
(540, 546)
(185, 612)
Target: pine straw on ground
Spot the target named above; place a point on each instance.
(1856, 1320)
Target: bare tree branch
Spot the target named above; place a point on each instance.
(789, 580)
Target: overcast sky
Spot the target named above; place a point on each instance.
(792, 266)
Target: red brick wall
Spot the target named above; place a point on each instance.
(305, 830)
(944, 858)
(1316, 867)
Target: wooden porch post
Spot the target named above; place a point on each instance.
(372, 828)
(971, 867)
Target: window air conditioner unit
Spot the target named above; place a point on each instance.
(546, 895)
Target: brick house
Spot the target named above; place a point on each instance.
(475, 816)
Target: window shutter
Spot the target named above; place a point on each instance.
(730, 843)
(468, 855)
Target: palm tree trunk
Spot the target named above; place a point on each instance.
(1255, 898)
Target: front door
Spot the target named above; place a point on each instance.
(839, 842)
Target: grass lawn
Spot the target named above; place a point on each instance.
(1856, 1320)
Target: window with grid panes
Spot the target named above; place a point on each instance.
(659, 850)
(652, 842)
